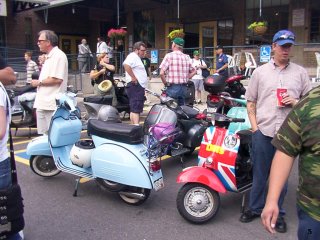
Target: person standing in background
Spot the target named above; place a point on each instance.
(137, 80)
(84, 54)
(52, 80)
(197, 79)
(176, 70)
(31, 66)
(101, 46)
(221, 62)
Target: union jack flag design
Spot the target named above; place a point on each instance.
(220, 146)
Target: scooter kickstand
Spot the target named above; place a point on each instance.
(243, 202)
(75, 193)
(181, 161)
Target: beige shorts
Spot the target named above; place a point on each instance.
(43, 120)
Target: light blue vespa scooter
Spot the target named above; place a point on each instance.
(115, 156)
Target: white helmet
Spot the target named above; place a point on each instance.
(80, 153)
(108, 113)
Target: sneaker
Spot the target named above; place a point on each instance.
(281, 225)
(248, 216)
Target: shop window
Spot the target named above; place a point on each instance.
(225, 32)
(2, 32)
(315, 26)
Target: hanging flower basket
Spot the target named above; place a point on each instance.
(178, 33)
(116, 33)
(259, 28)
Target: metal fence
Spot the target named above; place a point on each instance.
(302, 54)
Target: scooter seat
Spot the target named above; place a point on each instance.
(189, 111)
(245, 136)
(105, 100)
(119, 132)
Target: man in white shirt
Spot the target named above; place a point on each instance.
(137, 80)
(52, 80)
(101, 46)
(197, 79)
(84, 54)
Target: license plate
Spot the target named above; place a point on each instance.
(158, 184)
(212, 109)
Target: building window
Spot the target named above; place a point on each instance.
(2, 32)
(225, 32)
(275, 12)
(28, 33)
(315, 26)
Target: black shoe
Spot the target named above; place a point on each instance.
(248, 216)
(281, 225)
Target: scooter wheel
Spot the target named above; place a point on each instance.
(44, 166)
(134, 195)
(109, 185)
(197, 203)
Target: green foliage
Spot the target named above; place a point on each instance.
(256, 24)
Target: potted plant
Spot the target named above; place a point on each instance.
(259, 27)
(116, 33)
(176, 33)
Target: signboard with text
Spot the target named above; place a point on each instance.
(3, 8)
(154, 56)
(265, 53)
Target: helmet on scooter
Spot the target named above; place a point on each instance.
(109, 114)
(80, 153)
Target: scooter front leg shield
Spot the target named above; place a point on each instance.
(39, 146)
(201, 175)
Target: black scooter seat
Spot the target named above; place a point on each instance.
(189, 111)
(119, 132)
(105, 100)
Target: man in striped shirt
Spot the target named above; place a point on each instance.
(176, 70)
(31, 66)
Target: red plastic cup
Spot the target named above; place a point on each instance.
(281, 92)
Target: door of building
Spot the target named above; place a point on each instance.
(69, 45)
(208, 39)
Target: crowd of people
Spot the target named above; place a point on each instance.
(281, 131)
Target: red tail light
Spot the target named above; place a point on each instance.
(213, 98)
(155, 165)
(201, 116)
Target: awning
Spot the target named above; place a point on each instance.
(49, 3)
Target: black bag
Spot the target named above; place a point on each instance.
(11, 205)
(205, 72)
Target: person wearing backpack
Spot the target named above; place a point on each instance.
(197, 79)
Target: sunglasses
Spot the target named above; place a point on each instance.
(285, 37)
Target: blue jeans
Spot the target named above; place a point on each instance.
(262, 155)
(309, 228)
(5, 181)
(178, 92)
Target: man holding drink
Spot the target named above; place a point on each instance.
(272, 91)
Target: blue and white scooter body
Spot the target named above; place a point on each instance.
(112, 161)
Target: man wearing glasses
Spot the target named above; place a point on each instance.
(137, 80)
(274, 88)
(52, 80)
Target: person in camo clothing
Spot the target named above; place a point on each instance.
(298, 135)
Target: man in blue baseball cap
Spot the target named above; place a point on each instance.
(274, 88)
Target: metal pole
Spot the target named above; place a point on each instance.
(179, 10)
(118, 13)
(260, 10)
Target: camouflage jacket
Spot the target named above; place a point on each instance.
(300, 135)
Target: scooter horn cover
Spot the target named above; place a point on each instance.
(105, 86)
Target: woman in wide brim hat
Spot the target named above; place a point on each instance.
(102, 78)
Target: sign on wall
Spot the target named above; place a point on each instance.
(3, 8)
(298, 17)
(265, 53)
(154, 56)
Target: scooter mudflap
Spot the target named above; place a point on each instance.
(158, 184)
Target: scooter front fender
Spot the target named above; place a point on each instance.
(39, 146)
(201, 175)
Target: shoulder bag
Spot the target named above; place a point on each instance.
(205, 72)
(11, 202)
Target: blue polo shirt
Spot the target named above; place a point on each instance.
(222, 59)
